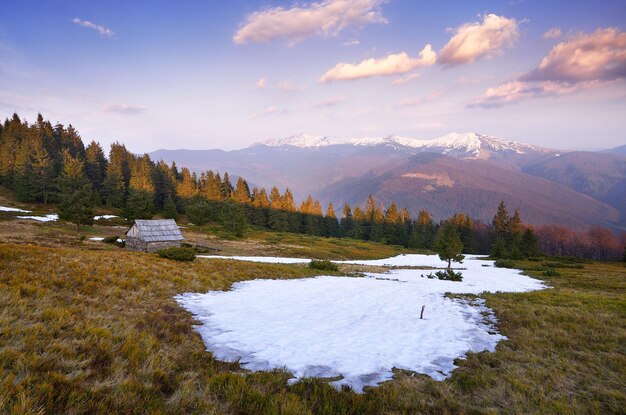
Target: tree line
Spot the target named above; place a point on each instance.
(49, 163)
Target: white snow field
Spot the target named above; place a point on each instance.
(357, 329)
(104, 217)
(10, 209)
(47, 218)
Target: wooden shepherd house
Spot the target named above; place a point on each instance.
(152, 235)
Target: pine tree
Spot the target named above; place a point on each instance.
(347, 222)
(529, 243)
(331, 224)
(95, 166)
(187, 188)
(242, 192)
(76, 193)
(500, 224)
(233, 218)
(139, 204)
(422, 234)
(227, 187)
(448, 244)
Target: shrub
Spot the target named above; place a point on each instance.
(110, 239)
(449, 275)
(445, 275)
(323, 265)
(177, 254)
(551, 273)
(504, 263)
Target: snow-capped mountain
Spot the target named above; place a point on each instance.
(469, 145)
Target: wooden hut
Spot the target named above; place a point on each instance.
(152, 235)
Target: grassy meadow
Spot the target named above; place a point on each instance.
(87, 327)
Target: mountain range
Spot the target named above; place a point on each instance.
(467, 172)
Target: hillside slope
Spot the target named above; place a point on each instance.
(444, 186)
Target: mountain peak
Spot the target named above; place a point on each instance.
(470, 145)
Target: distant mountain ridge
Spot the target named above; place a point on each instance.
(345, 169)
(470, 144)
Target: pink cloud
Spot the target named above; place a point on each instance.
(473, 41)
(585, 61)
(394, 64)
(553, 33)
(600, 55)
(325, 18)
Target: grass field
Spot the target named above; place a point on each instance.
(97, 331)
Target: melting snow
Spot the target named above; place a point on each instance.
(48, 218)
(355, 328)
(104, 217)
(10, 209)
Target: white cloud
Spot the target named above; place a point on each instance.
(104, 31)
(473, 41)
(261, 84)
(324, 18)
(394, 64)
(553, 33)
(405, 79)
(124, 109)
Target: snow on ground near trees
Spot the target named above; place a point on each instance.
(48, 218)
(10, 209)
(104, 217)
(356, 328)
(266, 259)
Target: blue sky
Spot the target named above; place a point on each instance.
(226, 74)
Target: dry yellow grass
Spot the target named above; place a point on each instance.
(86, 331)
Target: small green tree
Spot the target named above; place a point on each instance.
(76, 195)
(529, 244)
(448, 244)
(233, 218)
(200, 211)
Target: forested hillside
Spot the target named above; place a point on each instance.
(48, 163)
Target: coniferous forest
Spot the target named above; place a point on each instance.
(48, 163)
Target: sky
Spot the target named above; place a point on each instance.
(226, 74)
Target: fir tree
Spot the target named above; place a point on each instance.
(76, 193)
(233, 218)
(95, 166)
(448, 244)
(139, 205)
(331, 224)
(347, 222)
(529, 243)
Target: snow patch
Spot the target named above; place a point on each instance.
(105, 217)
(356, 328)
(10, 209)
(48, 218)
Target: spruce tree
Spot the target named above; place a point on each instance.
(331, 224)
(347, 222)
(95, 166)
(500, 224)
(448, 244)
(76, 193)
(233, 218)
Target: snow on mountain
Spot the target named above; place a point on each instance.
(469, 144)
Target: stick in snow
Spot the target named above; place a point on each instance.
(422, 313)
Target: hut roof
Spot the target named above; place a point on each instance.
(158, 230)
